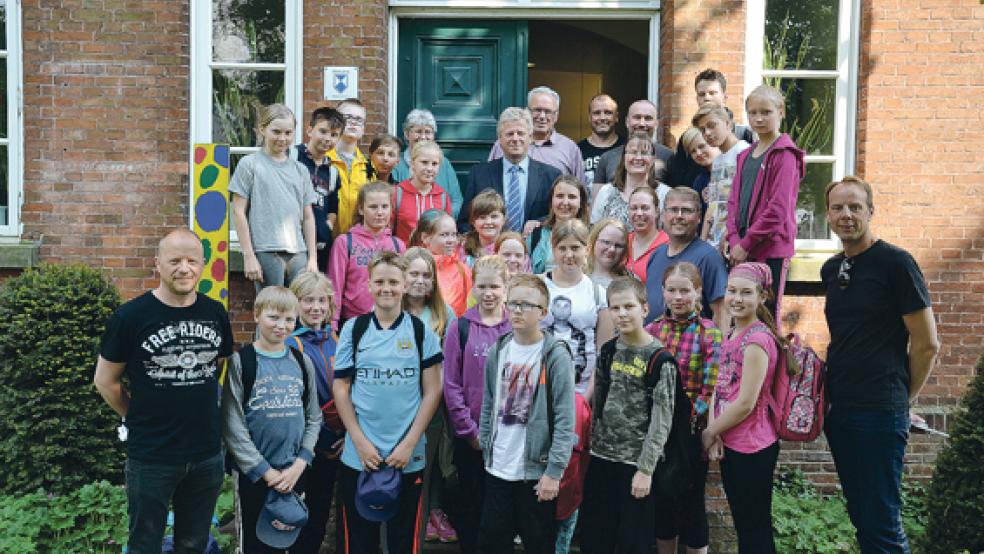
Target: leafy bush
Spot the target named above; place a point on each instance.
(90, 519)
(807, 522)
(955, 497)
(56, 434)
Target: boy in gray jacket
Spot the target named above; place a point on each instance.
(272, 428)
(526, 429)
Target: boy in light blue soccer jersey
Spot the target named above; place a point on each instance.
(387, 387)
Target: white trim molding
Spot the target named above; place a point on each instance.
(14, 141)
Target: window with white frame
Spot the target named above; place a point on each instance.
(809, 50)
(11, 131)
(245, 54)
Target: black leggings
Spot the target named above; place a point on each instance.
(748, 483)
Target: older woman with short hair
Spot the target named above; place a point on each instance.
(421, 125)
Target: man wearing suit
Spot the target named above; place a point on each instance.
(523, 183)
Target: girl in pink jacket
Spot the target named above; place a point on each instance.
(348, 266)
(761, 225)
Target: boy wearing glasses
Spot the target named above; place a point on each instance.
(353, 167)
(526, 429)
(883, 344)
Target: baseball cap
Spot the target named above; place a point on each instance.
(377, 494)
(281, 519)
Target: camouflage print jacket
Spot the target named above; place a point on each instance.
(634, 423)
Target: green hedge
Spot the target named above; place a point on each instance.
(956, 495)
(56, 433)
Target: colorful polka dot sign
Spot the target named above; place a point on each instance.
(210, 217)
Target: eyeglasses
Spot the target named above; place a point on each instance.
(609, 244)
(679, 210)
(354, 120)
(542, 111)
(522, 307)
(844, 273)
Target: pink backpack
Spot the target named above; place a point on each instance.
(798, 404)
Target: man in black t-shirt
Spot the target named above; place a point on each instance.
(883, 344)
(171, 343)
(603, 116)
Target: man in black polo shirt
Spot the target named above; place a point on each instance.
(883, 344)
(171, 343)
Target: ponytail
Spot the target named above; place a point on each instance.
(766, 317)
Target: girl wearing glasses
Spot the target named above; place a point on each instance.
(578, 311)
(607, 251)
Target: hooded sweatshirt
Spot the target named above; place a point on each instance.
(319, 345)
(464, 370)
(543, 454)
(409, 203)
(350, 275)
(772, 213)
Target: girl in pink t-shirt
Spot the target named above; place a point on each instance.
(739, 433)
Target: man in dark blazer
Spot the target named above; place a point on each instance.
(533, 178)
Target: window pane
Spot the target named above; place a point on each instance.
(801, 35)
(3, 98)
(3, 25)
(811, 215)
(248, 30)
(809, 112)
(4, 189)
(237, 97)
(233, 162)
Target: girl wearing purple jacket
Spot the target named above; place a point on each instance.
(761, 224)
(464, 364)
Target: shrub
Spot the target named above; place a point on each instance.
(56, 433)
(955, 497)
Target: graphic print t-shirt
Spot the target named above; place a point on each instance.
(573, 316)
(591, 155)
(512, 412)
(171, 357)
(718, 189)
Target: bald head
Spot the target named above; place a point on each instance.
(642, 117)
(181, 237)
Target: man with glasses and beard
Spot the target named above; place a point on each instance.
(883, 344)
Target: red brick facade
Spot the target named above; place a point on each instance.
(106, 119)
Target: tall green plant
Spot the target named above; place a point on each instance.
(56, 433)
(955, 498)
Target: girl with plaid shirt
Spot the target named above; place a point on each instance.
(696, 343)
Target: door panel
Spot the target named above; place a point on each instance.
(465, 72)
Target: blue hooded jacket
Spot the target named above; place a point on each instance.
(319, 345)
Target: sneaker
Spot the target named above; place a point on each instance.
(432, 533)
(445, 531)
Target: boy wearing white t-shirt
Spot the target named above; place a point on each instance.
(718, 128)
(526, 429)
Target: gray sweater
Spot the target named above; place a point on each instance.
(275, 427)
(543, 454)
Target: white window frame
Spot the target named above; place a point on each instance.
(201, 79)
(844, 150)
(15, 124)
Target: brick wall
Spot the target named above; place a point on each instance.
(106, 131)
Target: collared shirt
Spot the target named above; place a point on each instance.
(524, 179)
(558, 151)
(696, 343)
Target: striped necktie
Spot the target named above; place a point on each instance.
(514, 204)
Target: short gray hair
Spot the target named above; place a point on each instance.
(422, 118)
(515, 114)
(543, 90)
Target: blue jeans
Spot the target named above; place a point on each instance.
(193, 488)
(565, 533)
(868, 449)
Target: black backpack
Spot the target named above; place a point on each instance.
(362, 324)
(673, 477)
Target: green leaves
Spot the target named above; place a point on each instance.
(56, 433)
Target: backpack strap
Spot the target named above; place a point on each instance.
(359, 329)
(247, 363)
(603, 368)
(396, 245)
(535, 237)
(299, 358)
(396, 207)
(418, 337)
(463, 325)
(348, 237)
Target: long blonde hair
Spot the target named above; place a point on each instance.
(439, 309)
(618, 270)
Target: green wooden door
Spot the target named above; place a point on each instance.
(465, 72)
